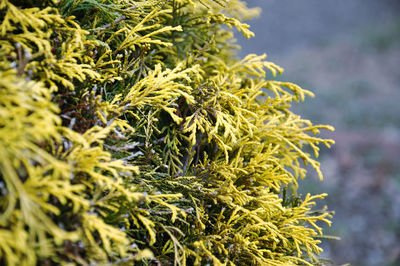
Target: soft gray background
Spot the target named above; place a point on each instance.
(348, 53)
(288, 25)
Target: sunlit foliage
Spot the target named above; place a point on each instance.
(131, 133)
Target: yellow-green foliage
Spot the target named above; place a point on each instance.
(130, 133)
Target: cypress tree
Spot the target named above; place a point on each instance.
(130, 133)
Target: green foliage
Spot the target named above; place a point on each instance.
(130, 132)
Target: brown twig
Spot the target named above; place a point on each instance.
(122, 148)
(116, 21)
(23, 60)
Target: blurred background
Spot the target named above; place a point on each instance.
(348, 53)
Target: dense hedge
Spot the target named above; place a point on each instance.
(131, 133)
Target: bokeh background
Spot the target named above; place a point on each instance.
(348, 53)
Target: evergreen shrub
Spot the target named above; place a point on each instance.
(130, 133)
